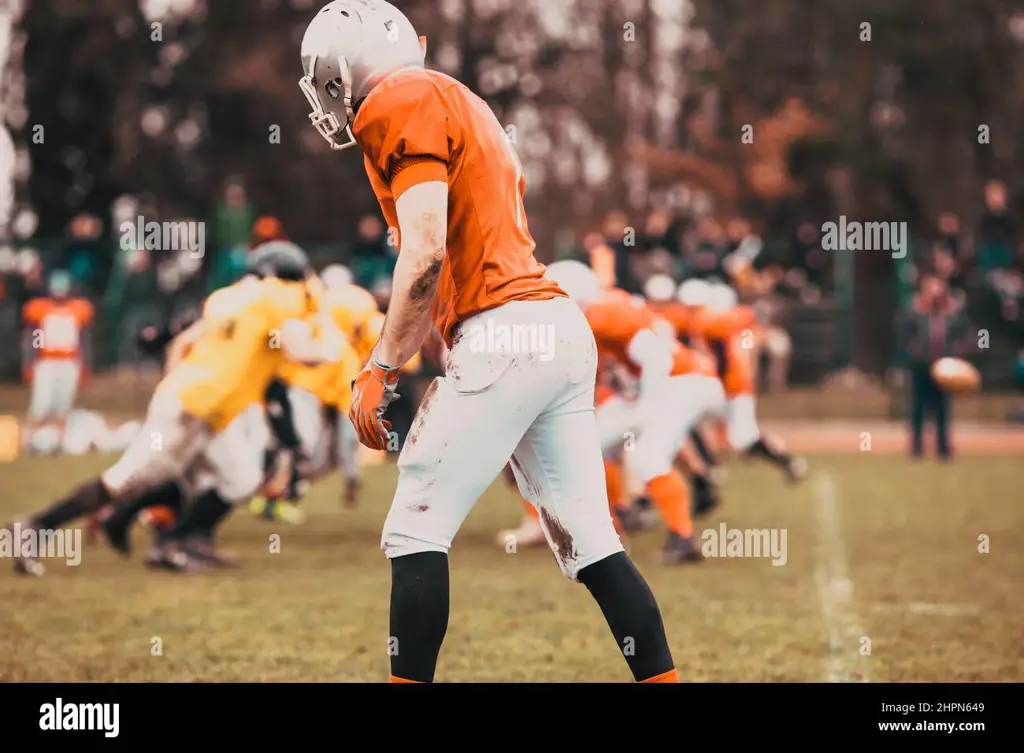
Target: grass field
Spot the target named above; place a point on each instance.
(883, 581)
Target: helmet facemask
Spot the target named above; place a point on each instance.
(325, 121)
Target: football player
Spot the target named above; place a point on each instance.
(162, 506)
(56, 339)
(447, 177)
(728, 328)
(246, 332)
(319, 398)
(677, 387)
(662, 298)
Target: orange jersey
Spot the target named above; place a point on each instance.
(675, 314)
(618, 294)
(59, 325)
(730, 335)
(418, 126)
(615, 323)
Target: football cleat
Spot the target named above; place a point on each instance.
(679, 550)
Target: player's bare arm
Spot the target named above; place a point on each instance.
(423, 224)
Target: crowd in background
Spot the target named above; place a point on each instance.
(978, 262)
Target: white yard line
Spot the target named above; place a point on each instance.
(926, 608)
(835, 591)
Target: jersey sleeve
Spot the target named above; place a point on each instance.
(33, 311)
(404, 130)
(85, 312)
(617, 322)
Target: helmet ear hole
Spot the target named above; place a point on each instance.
(333, 88)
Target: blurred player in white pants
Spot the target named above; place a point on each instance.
(728, 329)
(57, 349)
(677, 386)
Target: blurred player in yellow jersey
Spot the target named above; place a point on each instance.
(318, 398)
(246, 333)
(356, 314)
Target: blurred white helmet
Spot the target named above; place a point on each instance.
(576, 279)
(336, 276)
(721, 299)
(659, 288)
(694, 293)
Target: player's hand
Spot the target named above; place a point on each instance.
(373, 390)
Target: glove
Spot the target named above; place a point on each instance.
(373, 390)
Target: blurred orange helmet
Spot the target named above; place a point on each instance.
(267, 228)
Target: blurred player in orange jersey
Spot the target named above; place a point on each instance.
(448, 178)
(677, 386)
(693, 296)
(57, 343)
(663, 299)
(728, 329)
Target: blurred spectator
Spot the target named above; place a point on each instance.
(949, 234)
(996, 252)
(708, 258)
(650, 256)
(86, 256)
(772, 340)
(614, 232)
(234, 216)
(942, 263)
(809, 263)
(31, 275)
(372, 257)
(997, 235)
(233, 222)
(933, 328)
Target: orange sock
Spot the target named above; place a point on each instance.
(671, 676)
(159, 516)
(671, 496)
(417, 682)
(616, 486)
(531, 511)
(616, 493)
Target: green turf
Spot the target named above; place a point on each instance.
(924, 604)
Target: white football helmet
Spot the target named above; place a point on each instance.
(336, 276)
(694, 292)
(659, 288)
(576, 279)
(721, 299)
(348, 48)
